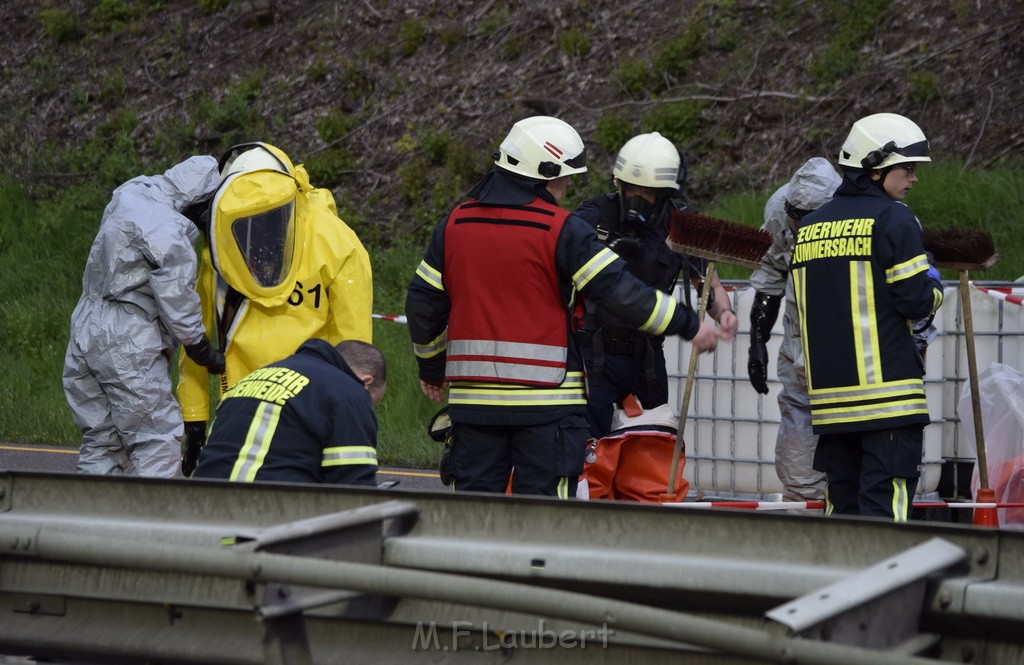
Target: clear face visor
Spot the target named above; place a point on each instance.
(257, 235)
(267, 243)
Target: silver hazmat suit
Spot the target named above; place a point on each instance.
(812, 185)
(138, 298)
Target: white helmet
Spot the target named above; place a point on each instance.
(648, 160)
(543, 148)
(883, 139)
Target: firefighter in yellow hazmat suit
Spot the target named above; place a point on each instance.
(278, 268)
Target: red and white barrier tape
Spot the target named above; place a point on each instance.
(820, 505)
(397, 318)
(1014, 295)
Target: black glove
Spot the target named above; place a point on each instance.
(206, 356)
(440, 429)
(195, 439)
(763, 314)
(625, 245)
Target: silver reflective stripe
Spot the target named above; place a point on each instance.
(848, 414)
(666, 174)
(432, 348)
(499, 349)
(345, 455)
(517, 372)
(430, 275)
(823, 396)
(900, 500)
(864, 330)
(257, 442)
(591, 268)
(664, 308)
(906, 269)
(570, 392)
(511, 361)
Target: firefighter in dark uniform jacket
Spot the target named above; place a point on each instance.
(491, 310)
(308, 418)
(634, 222)
(861, 276)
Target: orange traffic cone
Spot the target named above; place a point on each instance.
(986, 516)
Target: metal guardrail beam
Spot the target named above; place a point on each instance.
(257, 567)
(467, 572)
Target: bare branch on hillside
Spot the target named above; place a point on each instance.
(742, 96)
(981, 131)
(366, 3)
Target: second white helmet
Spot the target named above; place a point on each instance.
(884, 139)
(648, 160)
(542, 147)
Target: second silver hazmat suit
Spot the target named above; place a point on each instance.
(138, 298)
(812, 185)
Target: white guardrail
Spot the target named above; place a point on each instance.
(730, 429)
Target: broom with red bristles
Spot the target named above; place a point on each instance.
(963, 249)
(718, 241)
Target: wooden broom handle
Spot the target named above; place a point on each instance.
(972, 371)
(690, 373)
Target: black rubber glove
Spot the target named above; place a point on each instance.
(195, 439)
(206, 356)
(763, 314)
(625, 246)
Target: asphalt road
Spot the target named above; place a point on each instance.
(57, 459)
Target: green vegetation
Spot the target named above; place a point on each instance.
(61, 25)
(44, 243)
(411, 35)
(574, 43)
(852, 26)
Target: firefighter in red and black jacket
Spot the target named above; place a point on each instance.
(491, 310)
(860, 277)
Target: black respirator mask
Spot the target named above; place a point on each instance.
(638, 211)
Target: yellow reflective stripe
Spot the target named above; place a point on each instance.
(591, 268)
(906, 269)
(937, 299)
(900, 500)
(664, 309)
(495, 394)
(853, 414)
(800, 294)
(346, 455)
(563, 488)
(430, 275)
(865, 323)
(536, 398)
(433, 347)
(843, 394)
(257, 442)
(829, 507)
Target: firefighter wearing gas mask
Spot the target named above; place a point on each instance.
(279, 267)
(634, 222)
